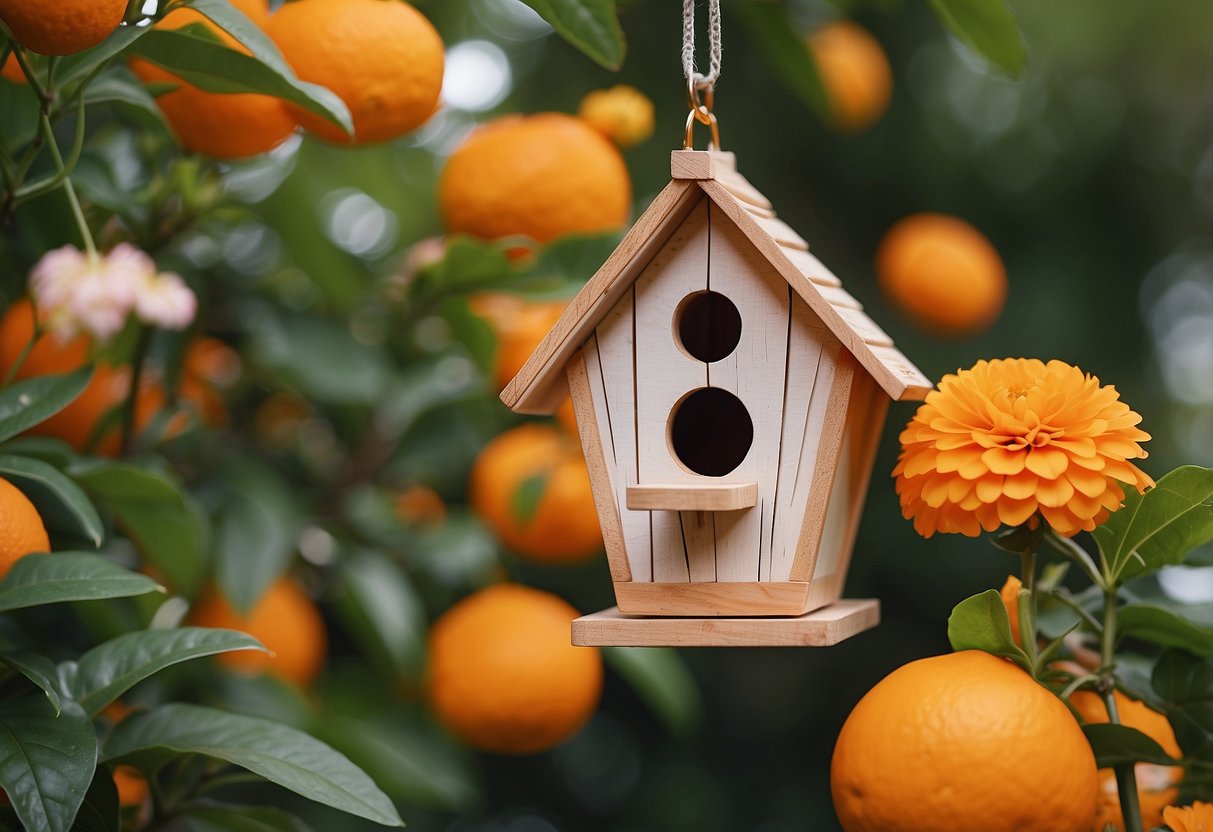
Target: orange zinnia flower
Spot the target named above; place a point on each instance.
(1195, 818)
(1014, 439)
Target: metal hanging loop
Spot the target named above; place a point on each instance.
(701, 111)
(701, 89)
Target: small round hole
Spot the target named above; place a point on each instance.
(711, 431)
(709, 326)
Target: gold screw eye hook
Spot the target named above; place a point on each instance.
(701, 111)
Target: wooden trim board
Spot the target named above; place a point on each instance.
(715, 496)
(821, 628)
(714, 598)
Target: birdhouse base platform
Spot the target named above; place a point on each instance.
(823, 627)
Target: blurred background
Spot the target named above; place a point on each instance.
(1092, 176)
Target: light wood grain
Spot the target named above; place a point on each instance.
(713, 598)
(821, 628)
(867, 442)
(600, 475)
(708, 496)
(826, 465)
(691, 164)
(533, 389)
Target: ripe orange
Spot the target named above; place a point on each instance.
(1157, 786)
(420, 505)
(382, 57)
(531, 486)
(519, 325)
(12, 71)
(503, 676)
(285, 620)
(855, 74)
(962, 741)
(21, 529)
(223, 126)
(623, 114)
(132, 786)
(61, 27)
(540, 176)
(942, 273)
(209, 364)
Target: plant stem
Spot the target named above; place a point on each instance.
(130, 406)
(1027, 612)
(68, 187)
(1126, 777)
(1075, 553)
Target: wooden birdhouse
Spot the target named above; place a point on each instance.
(730, 396)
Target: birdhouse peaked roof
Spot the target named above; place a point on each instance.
(540, 385)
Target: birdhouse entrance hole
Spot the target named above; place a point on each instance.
(711, 431)
(708, 326)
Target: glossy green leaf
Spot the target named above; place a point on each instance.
(27, 403)
(988, 28)
(68, 576)
(282, 755)
(1165, 627)
(255, 532)
(661, 679)
(109, 670)
(783, 46)
(38, 669)
(590, 25)
(76, 67)
(216, 818)
(981, 623)
(122, 88)
(193, 54)
(383, 610)
(1117, 744)
(1160, 527)
(1184, 683)
(46, 760)
(155, 513)
(63, 506)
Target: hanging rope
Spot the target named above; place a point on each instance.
(698, 80)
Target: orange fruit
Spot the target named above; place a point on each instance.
(962, 741)
(1157, 786)
(209, 364)
(540, 176)
(855, 74)
(61, 27)
(503, 676)
(1010, 600)
(519, 325)
(21, 529)
(132, 786)
(285, 620)
(383, 58)
(942, 273)
(223, 126)
(420, 505)
(12, 71)
(531, 486)
(49, 356)
(623, 114)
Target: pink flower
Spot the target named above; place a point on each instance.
(165, 301)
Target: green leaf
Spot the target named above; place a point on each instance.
(1118, 744)
(981, 623)
(157, 515)
(255, 532)
(218, 818)
(100, 811)
(193, 54)
(46, 760)
(988, 28)
(1165, 628)
(29, 402)
(590, 25)
(524, 502)
(63, 506)
(322, 358)
(38, 669)
(111, 669)
(663, 682)
(68, 576)
(1185, 684)
(282, 755)
(1160, 527)
(383, 611)
(75, 67)
(776, 38)
(122, 88)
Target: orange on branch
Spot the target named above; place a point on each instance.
(962, 741)
(855, 73)
(942, 274)
(1157, 786)
(285, 619)
(383, 58)
(622, 113)
(61, 27)
(531, 486)
(131, 784)
(541, 176)
(503, 676)
(12, 71)
(21, 530)
(224, 126)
